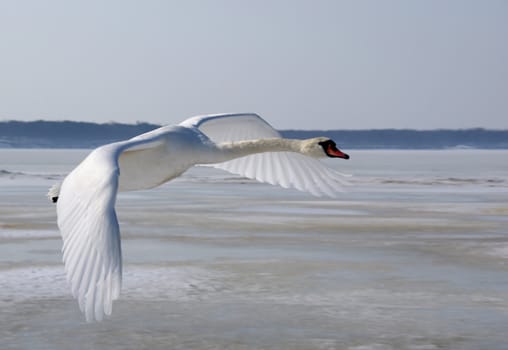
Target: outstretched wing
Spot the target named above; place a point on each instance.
(89, 227)
(232, 127)
(286, 169)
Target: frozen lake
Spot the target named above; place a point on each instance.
(413, 255)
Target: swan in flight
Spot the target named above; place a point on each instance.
(243, 144)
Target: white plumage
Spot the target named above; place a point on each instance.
(243, 144)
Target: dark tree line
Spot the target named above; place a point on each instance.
(411, 139)
(66, 134)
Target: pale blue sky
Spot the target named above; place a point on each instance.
(300, 64)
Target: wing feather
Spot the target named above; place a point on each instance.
(288, 170)
(88, 223)
(91, 249)
(232, 127)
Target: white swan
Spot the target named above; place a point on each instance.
(240, 143)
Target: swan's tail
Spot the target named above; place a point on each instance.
(54, 192)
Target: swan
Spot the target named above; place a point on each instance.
(243, 144)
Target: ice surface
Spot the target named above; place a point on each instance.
(412, 256)
(176, 283)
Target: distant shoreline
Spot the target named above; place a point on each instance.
(70, 134)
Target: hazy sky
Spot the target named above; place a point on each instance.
(300, 64)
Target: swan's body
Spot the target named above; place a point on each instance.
(240, 143)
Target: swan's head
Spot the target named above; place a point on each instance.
(321, 147)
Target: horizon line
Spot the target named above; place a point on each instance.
(283, 129)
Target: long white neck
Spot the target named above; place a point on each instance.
(232, 150)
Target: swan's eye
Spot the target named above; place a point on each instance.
(327, 142)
